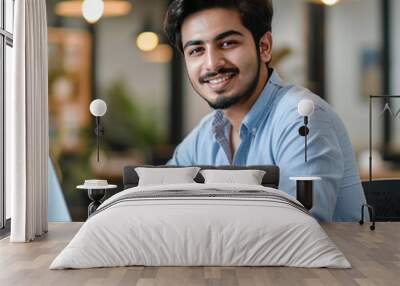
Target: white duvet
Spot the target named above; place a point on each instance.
(202, 231)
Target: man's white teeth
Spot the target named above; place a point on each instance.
(219, 80)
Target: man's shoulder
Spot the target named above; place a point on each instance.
(187, 152)
(206, 123)
(293, 94)
(290, 97)
(204, 127)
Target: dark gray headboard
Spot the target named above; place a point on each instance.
(270, 179)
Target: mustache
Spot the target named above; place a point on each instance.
(204, 78)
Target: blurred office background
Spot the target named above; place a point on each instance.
(342, 50)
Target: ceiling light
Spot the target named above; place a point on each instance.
(92, 10)
(112, 8)
(330, 2)
(147, 41)
(117, 8)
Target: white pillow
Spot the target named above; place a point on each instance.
(165, 176)
(248, 177)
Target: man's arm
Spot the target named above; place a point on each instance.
(324, 159)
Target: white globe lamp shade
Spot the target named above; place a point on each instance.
(305, 107)
(98, 107)
(92, 10)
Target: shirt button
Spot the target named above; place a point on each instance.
(254, 131)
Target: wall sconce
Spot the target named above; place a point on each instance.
(98, 108)
(305, 108)
(305, 184)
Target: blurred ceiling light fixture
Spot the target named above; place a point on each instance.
(147, 41)
(324, 2)
(330, 2)
(92, 10)
(111, 8)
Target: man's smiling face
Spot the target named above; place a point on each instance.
(221, 57)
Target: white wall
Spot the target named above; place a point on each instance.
(289, 29)
(395, 63)
(351, 27)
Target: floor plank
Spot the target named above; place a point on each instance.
(374, 255)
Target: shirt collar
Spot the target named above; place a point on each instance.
(219, 122)
(259, 109)
(262, 106)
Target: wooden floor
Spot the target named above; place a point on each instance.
(375, 256)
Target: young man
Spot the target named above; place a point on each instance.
(227, 46)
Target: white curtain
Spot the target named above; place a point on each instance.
(27, 146)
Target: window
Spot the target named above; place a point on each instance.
(6, 43)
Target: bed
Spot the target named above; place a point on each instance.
(201, 224)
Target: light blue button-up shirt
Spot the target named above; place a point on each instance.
(269, 136)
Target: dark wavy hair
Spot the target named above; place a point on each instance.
(256, 16)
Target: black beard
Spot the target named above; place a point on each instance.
(224, 102)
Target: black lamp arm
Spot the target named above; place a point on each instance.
(303, 131)
(99, 131)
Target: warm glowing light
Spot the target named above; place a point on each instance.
(69, 8)
(112, 8)
(147, 41)
(330, 2)
(161, 54)
(92, 10)
(116, 8)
